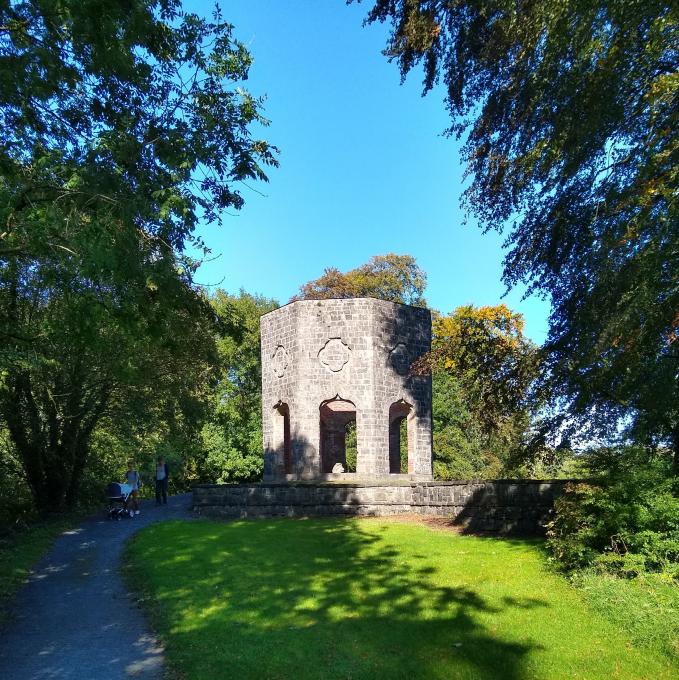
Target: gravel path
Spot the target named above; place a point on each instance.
(75, 618)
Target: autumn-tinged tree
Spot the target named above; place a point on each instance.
(484, 370)
(485, 348)
(397, 278)
(571, 114)
(121, 123)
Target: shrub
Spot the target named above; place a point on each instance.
(624, 521)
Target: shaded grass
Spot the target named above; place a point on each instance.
(369, 599)
(20, 549)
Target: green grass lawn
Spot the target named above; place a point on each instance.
(370, 599)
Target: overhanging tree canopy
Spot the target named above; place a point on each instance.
(120, 108)
(571, 115)
(123, 123)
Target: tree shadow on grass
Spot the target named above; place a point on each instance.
(317, 599)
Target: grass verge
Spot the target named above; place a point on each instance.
(20, 550)
(646, 608)
(371, 599)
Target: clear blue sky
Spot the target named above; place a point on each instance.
(364, 168)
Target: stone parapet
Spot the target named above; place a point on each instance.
(499, 506)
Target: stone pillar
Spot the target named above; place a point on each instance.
(306, 437)
(372, 434)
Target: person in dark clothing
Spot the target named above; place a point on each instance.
(162, 475)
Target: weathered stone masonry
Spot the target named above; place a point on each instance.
(505, 506)
(328, 362)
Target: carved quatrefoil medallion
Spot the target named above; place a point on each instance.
(398, 358)
(279, 361)
(334, 355)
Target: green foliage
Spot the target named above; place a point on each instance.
(230, 457)
(572, 142)
(142, 444)
(403, 445)
(458, 443)
(232, 438)
(625, 521)
(120, 111)
(16, 504)
(392, 277)
(351, 446)
(84, 353)
(483, 370)
(370, 599)
(123, 122)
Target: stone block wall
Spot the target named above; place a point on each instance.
(500, 506)
(353, 355)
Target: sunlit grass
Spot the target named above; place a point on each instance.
(646, 607)
(369, 599)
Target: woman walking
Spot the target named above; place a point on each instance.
(132, 478)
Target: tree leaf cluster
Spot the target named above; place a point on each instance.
(123, 110)
(624, 520)
(397, 278)
(231, 439)
(484, 370)
(123, 123)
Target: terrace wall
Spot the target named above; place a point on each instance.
(499, 506)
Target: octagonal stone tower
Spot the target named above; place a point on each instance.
(328, 363)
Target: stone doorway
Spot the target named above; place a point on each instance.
(335, 416)
(401, 438)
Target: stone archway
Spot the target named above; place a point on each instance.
(335, 414)
(401, 424)
(282, 445)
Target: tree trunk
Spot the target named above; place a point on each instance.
(52, 443)
(55, 483)
(73, 491)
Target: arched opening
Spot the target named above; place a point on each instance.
(336, 416)
(401, 438)
(281, 439)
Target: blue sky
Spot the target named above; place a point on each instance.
(364, 168)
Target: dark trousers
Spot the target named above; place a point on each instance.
(161, 490)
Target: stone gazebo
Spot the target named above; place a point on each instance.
(328, 363)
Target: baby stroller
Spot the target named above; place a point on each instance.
(118, 495)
